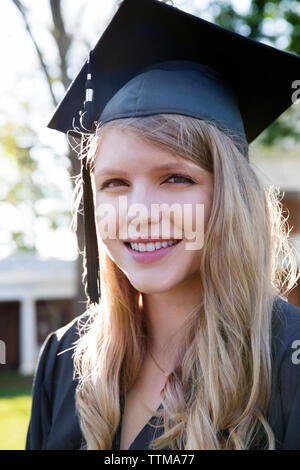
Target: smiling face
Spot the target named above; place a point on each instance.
(127, 165)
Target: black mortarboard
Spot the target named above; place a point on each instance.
(154, 58)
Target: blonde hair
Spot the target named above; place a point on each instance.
(217, 397)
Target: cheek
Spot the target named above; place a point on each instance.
(207, 210)
(206, 200)
(106, 220)
(196, 215)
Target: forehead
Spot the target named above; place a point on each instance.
(124, 149)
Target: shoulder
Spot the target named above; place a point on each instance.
(70, 332)
(61, 341)
(55, 361)
(286, 326)
(286, 340)
(54, 422)
(286, 374)
(288, 337)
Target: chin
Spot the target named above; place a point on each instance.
(150, 284)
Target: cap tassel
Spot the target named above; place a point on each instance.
(91, 268)
(86, 116)
(92, 288)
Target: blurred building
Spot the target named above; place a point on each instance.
(281, 168)
(36, 297)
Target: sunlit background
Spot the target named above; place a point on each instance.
(40, 269)
(36, 215)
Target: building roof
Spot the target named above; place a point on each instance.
(26, 274)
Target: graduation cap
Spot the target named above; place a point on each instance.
(154, 58)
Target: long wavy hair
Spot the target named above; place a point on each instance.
(218, 395)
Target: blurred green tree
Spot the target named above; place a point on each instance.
(22, 190)
(19, 189)
(63, 41)
(273, 21)
(277, 23)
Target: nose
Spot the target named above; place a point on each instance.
(140, 212)
(147, 216)
(143, 219)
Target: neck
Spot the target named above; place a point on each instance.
(165, 314)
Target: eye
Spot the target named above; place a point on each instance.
(112, 183)
(108, 182)
(182, 179)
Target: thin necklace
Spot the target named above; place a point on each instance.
(163, 371)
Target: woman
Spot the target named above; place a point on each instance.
(187, 348)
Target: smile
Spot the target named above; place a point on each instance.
(153, 251)
(152, 245)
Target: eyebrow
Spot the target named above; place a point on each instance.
(167, 166)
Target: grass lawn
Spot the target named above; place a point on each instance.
(15, 406)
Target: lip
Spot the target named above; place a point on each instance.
(150, 256)
(149, 240)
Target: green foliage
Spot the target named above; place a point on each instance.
(21, 190)
(285, 18)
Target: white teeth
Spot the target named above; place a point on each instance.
(151, 246)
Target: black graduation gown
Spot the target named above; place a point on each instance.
(54, 423)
